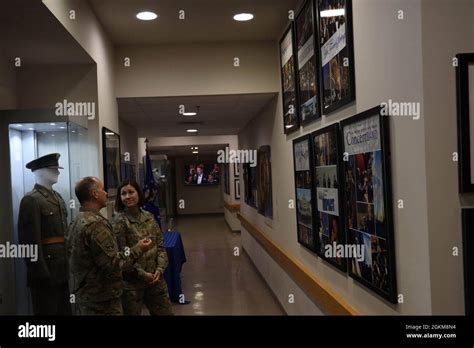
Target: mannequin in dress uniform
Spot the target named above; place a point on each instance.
(43, 221)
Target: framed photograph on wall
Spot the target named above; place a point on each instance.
(307, 64)
(111, 161)
(226, 169)
(237, 188)
(468, 256)
(304, 192)
(465, 110)
(264, 182)
(368, 201)
(288, 80)
(250, 184)
(337, 53)
(328, 217)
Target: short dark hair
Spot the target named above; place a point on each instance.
(84, 187)
(118, 200)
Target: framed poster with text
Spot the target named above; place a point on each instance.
(111, 161)
(288, 81)
(368, 201)
(307, 64)
(329, 221)
(465, 109)
(336, 52)
(304, 191)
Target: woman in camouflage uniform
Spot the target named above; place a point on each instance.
(144, 284)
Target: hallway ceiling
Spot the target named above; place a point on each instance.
(30, 31)
(205, 20)
(218, 114)
(185, 150)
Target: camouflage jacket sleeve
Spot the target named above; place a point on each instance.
(162, 256)
(105, 252)
(121, 231)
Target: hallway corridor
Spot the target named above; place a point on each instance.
(213, 279)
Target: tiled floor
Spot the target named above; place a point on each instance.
(213, 279)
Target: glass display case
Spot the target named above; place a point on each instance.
(29, 141)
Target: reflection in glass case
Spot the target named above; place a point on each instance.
(29, 141)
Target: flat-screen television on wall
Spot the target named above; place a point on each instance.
(201, 174)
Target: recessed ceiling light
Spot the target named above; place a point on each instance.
(73, 131)
(62, 127)
(109, 133)
(332, 13)
(52, 124)
(242, 17)
(52, 135)
(189, 113)
(31, 129)
(191, 130)
(195, 151)
(19, 125)
(288, 126)
(147, 16)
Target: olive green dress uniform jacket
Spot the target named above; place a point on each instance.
(96, 262)
(43, 215)
(129, 230)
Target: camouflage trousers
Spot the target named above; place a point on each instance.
(154, 297)
(110, 307)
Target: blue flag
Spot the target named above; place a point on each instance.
(150, 189)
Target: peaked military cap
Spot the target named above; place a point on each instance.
(47, 161)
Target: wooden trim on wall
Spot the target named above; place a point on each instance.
(317, 290)
(233, 208)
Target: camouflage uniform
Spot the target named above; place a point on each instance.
(43, 221)
(96, 264)
(137, 291)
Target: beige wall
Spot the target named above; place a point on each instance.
(388, 63)
(88, 32)
(42, 86)
(444, 201)
(128, 140)
(7, 84)
(197, 199)
(196, 69)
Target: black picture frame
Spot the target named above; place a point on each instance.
(250, 184)
(327, 181)
(236, 169)
(226, 169)
(368, 211)
(467, 215)
(289, 82)
(341, 63)
(111, 156)
(307, 64)
(237, 188)
(465, 62)
(264, 181)
(304, 191)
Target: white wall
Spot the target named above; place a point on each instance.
(444, 201)
(388, 64)
(195, 69)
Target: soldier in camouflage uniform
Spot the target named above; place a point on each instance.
(96, 263)
(144, 283)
